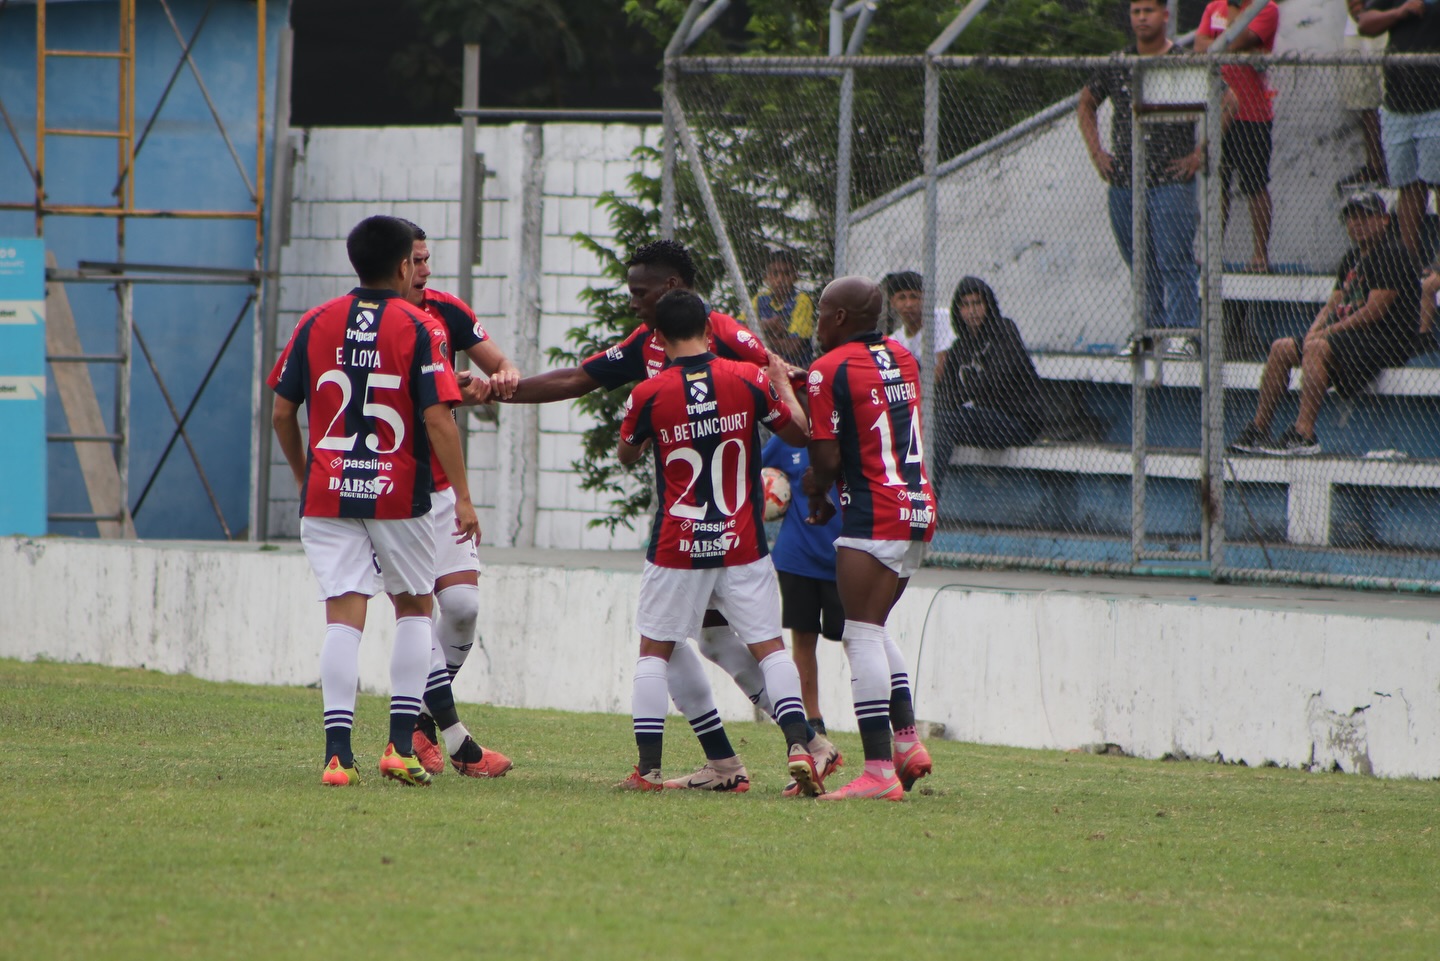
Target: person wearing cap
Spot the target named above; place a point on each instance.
(1367, 324)
(904, 295)
(1410, 115)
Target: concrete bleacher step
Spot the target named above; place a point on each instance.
(1310, 483)
(1239, 375)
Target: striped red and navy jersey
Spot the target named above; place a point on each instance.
(866, 395)
(366, 366)
(704, 414)
(463, 330)
(638, 356)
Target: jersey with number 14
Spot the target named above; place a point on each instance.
(704, 414)
(366, 366)
(866, 395)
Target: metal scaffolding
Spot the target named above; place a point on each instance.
(106, 474)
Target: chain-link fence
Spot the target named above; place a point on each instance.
(1072, 352)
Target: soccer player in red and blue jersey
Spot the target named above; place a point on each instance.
(654, 270)
(703, 414)
(866, 432)
(457, 565)
(378, 395)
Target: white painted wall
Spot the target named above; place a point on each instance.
(345, 174)
(1270, 675)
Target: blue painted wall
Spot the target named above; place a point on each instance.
(183, 164)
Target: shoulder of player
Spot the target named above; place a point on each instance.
(728, 329)
(446, 303)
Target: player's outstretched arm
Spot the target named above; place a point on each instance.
(564, 384)
(504, 375)
(797, 432)
(285, 418)
(445, 441)
(630, 453)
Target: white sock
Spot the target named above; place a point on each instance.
(723, 646)
(689, 687)
(409, 663)
(648, 695)
(869, 668)
(782, 680)
(457, 608)
(340, 674)
(454, 736)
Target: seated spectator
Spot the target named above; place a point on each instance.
(786, 315)
(1250, 113)
(904, 294)
(987, 394)
(1367, 324)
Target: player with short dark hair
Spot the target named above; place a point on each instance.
(654, 270)
(457, 566)
(707, 543)
(866, 432)
(378, 394)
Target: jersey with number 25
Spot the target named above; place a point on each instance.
(704, 413)
(866, 395)
(366, 366)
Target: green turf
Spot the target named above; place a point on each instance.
(149, 816)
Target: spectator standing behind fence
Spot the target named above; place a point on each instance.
(987, 394)
(1362, 89)
(1172, 158)
(1245, 141)
(1410, 118)
(786, 314)
(1367, 324)
(904, 293)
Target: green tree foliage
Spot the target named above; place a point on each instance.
(769, 143)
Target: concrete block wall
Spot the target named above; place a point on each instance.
(1262, 675)
(345, 174)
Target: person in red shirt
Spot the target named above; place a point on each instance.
(1248, 117)
(457, 565)
(378, 392)
(866, 432)
(654, 270)
(707, 543)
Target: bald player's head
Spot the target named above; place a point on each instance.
(848, 307)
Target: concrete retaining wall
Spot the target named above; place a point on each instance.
(1291, 677)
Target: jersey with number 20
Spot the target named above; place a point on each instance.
(704, 413)
(866, 394)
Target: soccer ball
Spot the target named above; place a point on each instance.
(777, 492)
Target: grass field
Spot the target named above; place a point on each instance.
(151, 816)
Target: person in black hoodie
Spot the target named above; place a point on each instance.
(987, 394)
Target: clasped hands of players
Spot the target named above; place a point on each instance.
(821, 507)
(475, 391)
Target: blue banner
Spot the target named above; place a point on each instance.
(22, 386)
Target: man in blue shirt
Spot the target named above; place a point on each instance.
(804, 558)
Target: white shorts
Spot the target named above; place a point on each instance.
(450, 557)
(673, 601)
(352, 555)
(902, 557)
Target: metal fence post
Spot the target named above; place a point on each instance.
(1212, 376)
(1141, 346)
